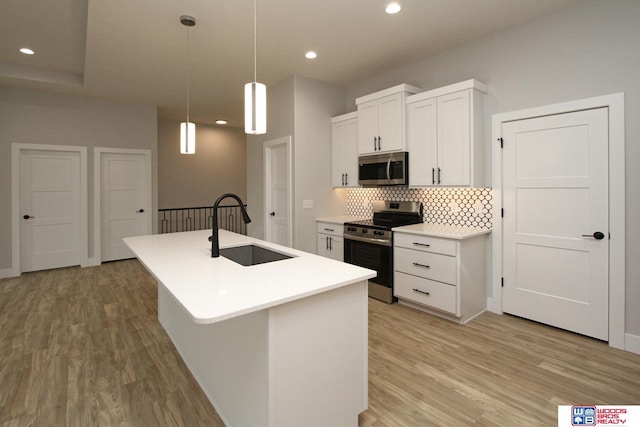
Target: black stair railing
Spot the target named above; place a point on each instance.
(173, 220)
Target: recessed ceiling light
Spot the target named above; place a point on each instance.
(393, 8)
(221, 122)
(311, 55)
(27, 51)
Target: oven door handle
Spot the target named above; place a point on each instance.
(379, 242)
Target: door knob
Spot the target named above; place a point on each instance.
(598, 235)
(27, 217)
(272, 214)
(140, 210)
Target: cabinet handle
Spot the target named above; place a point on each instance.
(426, 245)
(422, 292)
(375, 141)
(330, 243)
(438, 175)
(379, 143)
(327, 243)
(328, 229)
(346, 179)
(417, 264)
(433, 175)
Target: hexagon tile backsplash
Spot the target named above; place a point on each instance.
(454, 206)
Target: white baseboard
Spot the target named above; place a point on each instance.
(632, 343)
(8, 272)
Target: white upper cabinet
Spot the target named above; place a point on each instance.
(446, 136)
(344, 150)
(382, 120)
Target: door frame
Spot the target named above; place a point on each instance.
(267, 147)
(617, 274)
(16, 149)
(97, 194)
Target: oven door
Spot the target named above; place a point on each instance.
(375, 256)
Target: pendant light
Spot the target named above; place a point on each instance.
(187, 129)
(255, 95)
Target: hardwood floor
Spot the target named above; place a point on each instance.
(82, 347)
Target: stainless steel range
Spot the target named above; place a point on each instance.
(369, 243)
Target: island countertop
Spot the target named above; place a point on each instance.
(215, 289)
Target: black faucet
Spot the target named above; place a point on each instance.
(215, 242)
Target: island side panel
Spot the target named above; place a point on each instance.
(318, 362)
(228, 359)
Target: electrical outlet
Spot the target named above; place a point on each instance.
(307, 204)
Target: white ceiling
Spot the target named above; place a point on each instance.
(135, 50)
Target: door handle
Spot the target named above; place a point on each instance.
(272, 214)
(140, 210)
(598, 235)
(28, 216)
(375, 141)
(439, 176)
(346, 179)
(433, 175)
(389, 171)
(379, 143)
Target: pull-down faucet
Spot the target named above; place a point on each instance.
(215, 242)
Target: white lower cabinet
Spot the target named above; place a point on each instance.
(329, 241)
(443, 276)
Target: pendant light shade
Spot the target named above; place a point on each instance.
(187, 138)
(255, 108)
(255, 95)
(187, 129)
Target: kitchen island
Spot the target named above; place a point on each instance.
(282, 343)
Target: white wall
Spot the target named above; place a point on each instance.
(36, 117)
(300, 107)
(218, 166)
(315, 103)
(587, 50)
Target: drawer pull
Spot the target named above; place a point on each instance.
(329, 229)
(417, 264)
(422, 244)
(422, 292)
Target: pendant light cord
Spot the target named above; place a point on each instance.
(255, 31)
(188, 58)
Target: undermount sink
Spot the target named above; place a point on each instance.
(248, 255)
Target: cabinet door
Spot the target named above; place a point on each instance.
(351, 153)
(367, 127)
(323, 245)
(391, 123)
(422, 142)
(454, 138)
(336, 248)
(338, 144)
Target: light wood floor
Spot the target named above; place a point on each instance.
(83, 347)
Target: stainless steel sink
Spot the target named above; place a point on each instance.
(248, 255)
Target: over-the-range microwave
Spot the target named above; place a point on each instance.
(384, 169)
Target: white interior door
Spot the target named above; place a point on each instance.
(49, 209)
(278, 192)
(555, 201)
(125, 204)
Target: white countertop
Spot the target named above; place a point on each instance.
(341, 219)
(214, 289)
(442, 230)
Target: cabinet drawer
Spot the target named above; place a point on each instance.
(425, 243)
(330, 228)
(426, 264)
(424, 291)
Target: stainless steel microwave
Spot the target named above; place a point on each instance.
(384, 169)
